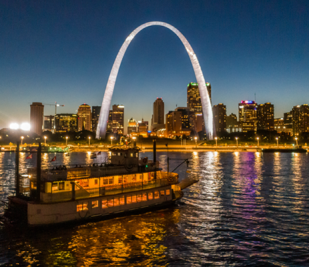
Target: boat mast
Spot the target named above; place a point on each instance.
(17, 170)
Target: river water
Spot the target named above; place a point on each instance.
(247, 209)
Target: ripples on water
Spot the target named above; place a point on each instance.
(247, 209)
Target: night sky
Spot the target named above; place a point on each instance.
(64, 50)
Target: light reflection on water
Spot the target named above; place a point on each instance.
(247, 209)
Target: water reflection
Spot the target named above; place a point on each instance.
(247, 208)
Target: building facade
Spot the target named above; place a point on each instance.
(265, 117)
(179, 122)
(132, 126)
(95, 114)
(36, 117)
(300, 115)
(219, 114)
(84, 118)
(232, 125)
(66, 122)
(158, 115)
(49, 123)
(247, 111)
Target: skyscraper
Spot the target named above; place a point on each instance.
(95, 117)
(158, 115)
(36, 117)
(248, 115)
(132, 126)
(84, 117)
(66, 122)
(265, 117)
(219, 113)
(193, 97)
(194, 103)
(179, 122)
(300, 119)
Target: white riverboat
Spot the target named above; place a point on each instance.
(125, 184)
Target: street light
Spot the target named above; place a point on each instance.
(45, 137)
(236, 141)
(22, 138)
(112, 137)
(216, 138)
(89, 137)
(66, 140)
(195, 141)
(296, 141)
(277, 141)
(258, 141)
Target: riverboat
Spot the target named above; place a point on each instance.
(124, 184)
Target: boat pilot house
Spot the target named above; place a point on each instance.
(125, 182)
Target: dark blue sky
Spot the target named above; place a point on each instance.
(64, 50)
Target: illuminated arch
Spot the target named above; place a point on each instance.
(206, 105)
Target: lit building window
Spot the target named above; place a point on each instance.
(134, 199)
(156, 195)
(121, 200)
(144, 196)
(167, 192)
(150, 195)
(81, 207)
(139, 198)
(162, 192)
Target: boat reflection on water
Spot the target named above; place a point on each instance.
(141, 239)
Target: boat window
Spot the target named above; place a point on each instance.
(119, 179)
(79, 207)
(139, 198)
(144, 196)
(150, 195)
(55, 186)
(116, 201)
(162, 192)
(129, 200)
(133, 198)
(84, 182)
(119, 154)
(110, 203)
(121, 200)
(105, 181)
(131, 155)
(61, 186)
(136, 155)
(111, 180)
(95, 204)
(156, 195)
(104, 204)
(96, 181)
(168, 192)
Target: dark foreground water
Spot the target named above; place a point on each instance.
(248, 209)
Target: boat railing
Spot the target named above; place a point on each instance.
(107, 190)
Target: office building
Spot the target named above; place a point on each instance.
(158, 115)
(248, 115)
(142, 126)
(279, 125)
(288, 122)
(179, 122)
(300, 119)
(49, 123)
(132, 126)
(84, 117)
(265, 117)
(66, 122)
(36, 117)
(194, 103)
(95, 114)
(232, 125)
(219, 114)
(115, 123)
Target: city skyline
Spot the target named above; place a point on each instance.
(263, 54)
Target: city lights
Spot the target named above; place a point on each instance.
(14, 126)
(25, 126)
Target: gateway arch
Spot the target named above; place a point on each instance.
(206, 105)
